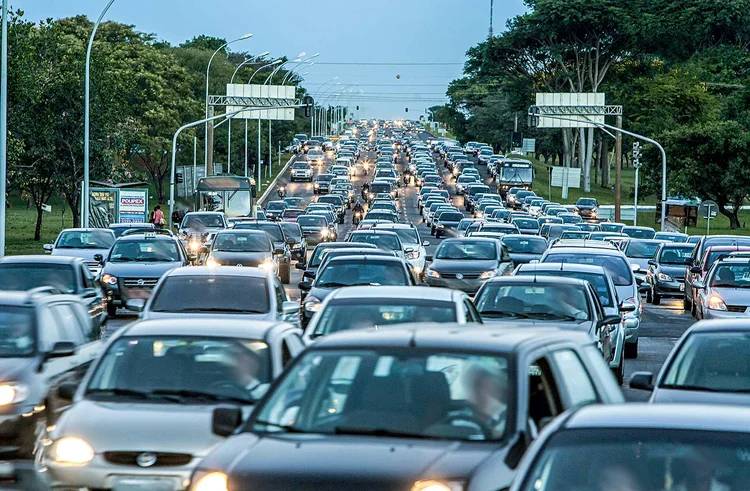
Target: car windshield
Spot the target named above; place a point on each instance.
(231, 294)
(675, 255)
(598, 281)
(122, 229)
(200, 222)
(400, 393)
(89, 239)
(731, 276)
(272, 229)
(521, 245)
(380, 188)
(386, 242)
(292, 230)
(617, 267)
(586, 202)
(526, 223)
(647, 459)
(516, 174)
(639, 233)
(17, 337)
(276, 206)
(352, 273)
(182, 370)
(238, 242)
(533, 301)
(611, 227)
(451, 217)
(406, 235)
(467, 250)
(145, 250)
(23, 277)
(360, 313)
(641, 250)
(325, 177)
(292, 213)
(300, 164)
(311, 221)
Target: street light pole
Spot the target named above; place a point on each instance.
(86, 110)
(258, 171)
(208, 69)
(3, 122)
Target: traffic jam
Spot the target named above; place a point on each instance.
(398, 312)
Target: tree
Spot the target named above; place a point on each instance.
(709, 160)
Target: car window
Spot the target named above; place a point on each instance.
(573, 378)
(466, 250)
(280, 295)
(344, 273)
(238, 242)
(70, 323)
(50, 330)
(562, 302)
(23, 277)
(17, 336)
(544, 401)
(208, 293)
(145, 251)
(616, 266)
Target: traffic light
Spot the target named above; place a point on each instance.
(407, 109)
(308, 102)
(357, 108)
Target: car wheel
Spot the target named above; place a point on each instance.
(432, 230)
(111, 310)
(685, 304)
(631, 350)
(656, 299)
(438, 234)
(285, 274)
(649, 296)
(619, 372)
(694, 310)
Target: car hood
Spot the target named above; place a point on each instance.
(322, 462)
(524, 257)
(733, 296)
(251, 259)
(129, 426)
(12, 368)
(699, 397)
(85, 254)
(140, 270)
(463, 265)
(674, 271)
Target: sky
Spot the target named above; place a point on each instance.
(388, 55)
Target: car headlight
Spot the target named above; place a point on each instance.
(212, 263)
(268, 265)
(433, 485)
(430, 273)
(72, 450)
(11, 393)
(664, 277)
(488, 274)
(412, 255)
(324, 232)
(194, 246)
(716, 303)
(312, 304)
(108, 279)
(209, 481)
(317, 185)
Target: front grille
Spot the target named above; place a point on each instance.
(736, 308)
(466, 276)
(163, 459)
(93, 264)
(140, 282)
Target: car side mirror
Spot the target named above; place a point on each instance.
(642, 381)
(429, 259)
(627, 307)
(408, 250)
(300, 266)
(426, 243)
(278, 251)
(48, 247)
(609, 320)
(699, 285)
(225, 420)
(67, 391)
(305, 286)
(136, 304)
(88, 293)
(99, 258)
(651, 262)
(61, 349)
(696, 270)
(290, 307)
(635, 268)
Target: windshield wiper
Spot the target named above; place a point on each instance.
(288, 428)
(504, 314)
(349, 430)
(120, 392)
(551, 316)
(333, 284)
(123, 260)
(182, 394)
(691, 387)
(219, 309)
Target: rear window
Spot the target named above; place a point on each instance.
(212, 293)
(521, 245)
(616, 266)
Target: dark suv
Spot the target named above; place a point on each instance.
(45, 339)
(280, 241)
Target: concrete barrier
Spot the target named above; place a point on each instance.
(267, 192)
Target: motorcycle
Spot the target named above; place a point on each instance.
(357, 218)
(282, 192)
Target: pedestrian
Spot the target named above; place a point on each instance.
(159, 221)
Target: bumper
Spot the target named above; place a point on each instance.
(670, 288)
(101, 474)
(723, 314)
(302, 177)
(468, 286)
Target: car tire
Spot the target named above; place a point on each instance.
(694, 310)
(656, 300)
(631, 350)
(619, 372)
(285, 274)
(649, 296)
(111, 310)
(686, 306)
(438, 234)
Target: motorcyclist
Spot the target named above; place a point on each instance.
(282, 191)
(358, 208)
(365, 189)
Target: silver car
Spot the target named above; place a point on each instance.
(84, 243)
(725, 294)
(219, 292)
(141, 418)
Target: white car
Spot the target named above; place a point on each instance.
(409, 236)
(301, 171)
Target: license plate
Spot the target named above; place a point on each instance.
(141, 483)
(682, 287)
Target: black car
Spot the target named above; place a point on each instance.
(135, 264)
(46, 339)
(322, 183)
(253, 248)
(280, 245)
(666, 271)
(274, 209)
(346, 271)
(315, 228)
(587, 208)
(298, 243)
(524, 248)
(446, 223)
(316, 258)
(339, 204)
(434, 407)
(65, 274)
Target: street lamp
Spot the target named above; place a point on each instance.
(276, 62)
(86, 111)
(307, 62)
(208, 68)
(3, 122)
(312, 119)
(229, 133)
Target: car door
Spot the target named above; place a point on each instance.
(93, 295)
(471, 316)
(574, 382)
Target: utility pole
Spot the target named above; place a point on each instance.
(636, 166)
(3, 123)
(492, 8)
(618, 168)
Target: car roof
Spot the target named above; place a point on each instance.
(38, 258)
(366, 258)
(662, 416)
(222, 271)
(549, 280)
(452, 336)
(581, 268)
(390, 292)
(142, 236)
(578, 244)
(247, 329)
(720, 325)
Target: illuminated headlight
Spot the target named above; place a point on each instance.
(324, 232)
(716, 303)
(209, 481)
(312, 304)
(268, 265)
(664, 277)
(488, 274)
(480, 214)
(412, 255)
(108, 279)
(432, 485)
(317, 185)
(432, 274)
(194, 246)
(72, 450)
(13, 393)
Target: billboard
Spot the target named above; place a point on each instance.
(269, 91)
(133, 206)
(571, 99)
